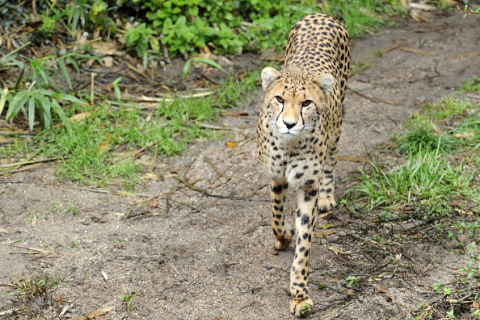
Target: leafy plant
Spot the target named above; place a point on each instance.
(42, 94)
(127, 298)
(138, 38)
(472, 85)
(350, 280)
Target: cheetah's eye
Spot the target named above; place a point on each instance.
(306, 103)
(280, 99)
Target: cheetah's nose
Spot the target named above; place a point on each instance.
(289, 125)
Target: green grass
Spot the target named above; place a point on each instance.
(100, 148)
(422, 137)
(472, 85)
(429, 176)
(427, 131)
(426, 179)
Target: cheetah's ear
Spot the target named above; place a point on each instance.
(269, 75)
(325, 81)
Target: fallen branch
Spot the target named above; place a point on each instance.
(27, 162)
(204, 192)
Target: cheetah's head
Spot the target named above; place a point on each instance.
(297, 99)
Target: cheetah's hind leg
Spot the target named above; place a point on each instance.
(282, 230)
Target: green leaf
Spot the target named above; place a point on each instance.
(17, 83)
(65, 73)
(209, 62)
(44, 92)
(31, 113)
(186, 68)
(17, 103)
(67, 97)
(117, 89)
(75, 64)
(44, 106)
(5, 57)
(61, 114)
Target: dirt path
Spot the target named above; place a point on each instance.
(214, 259)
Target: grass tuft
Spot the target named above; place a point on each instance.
(426, 179)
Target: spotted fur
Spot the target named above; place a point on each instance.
(298, 132)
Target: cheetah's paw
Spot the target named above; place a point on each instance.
(301, 308)
(282, 244)
(326, 205)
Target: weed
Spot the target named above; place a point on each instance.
(386, 215)
(37, 286)
(54, 206)
(444, 108)
(127, 298)
(72, 245)
(426, 178)
(360, 66)
(138, 38)
(422, 138)
(471, 85)
(451, 314)
(351, 280)
(72, 210)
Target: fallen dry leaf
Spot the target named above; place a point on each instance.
(106, 48)
(475, 304)
(106, 142)
(438, 131)
(416, 15)
(322, 234)
(327, 226)
(420, 6)
(382, 290)
(231, 144)
(335, 249)
(151, 176)
(95, 314)
(108, 61)
(350, 292)
(464, 135)
(152, 203)
(80, 116)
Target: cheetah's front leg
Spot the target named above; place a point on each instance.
(282, 230)
(302, 305)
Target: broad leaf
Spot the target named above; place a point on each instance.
(209, 62)
(16, 104)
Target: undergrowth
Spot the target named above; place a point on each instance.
(188, 26)
(103, 146)
(435, 179)
(427, 174)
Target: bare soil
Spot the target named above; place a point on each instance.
(200, 257)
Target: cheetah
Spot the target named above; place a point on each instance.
(298, 132)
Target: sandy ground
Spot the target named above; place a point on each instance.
(213, 258)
